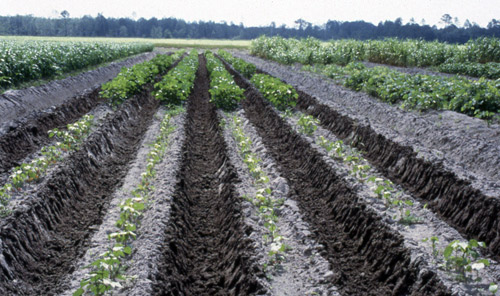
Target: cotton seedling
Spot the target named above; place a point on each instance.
(107, 270)
(263, 199)
(307, 124)
(464, 258)
(68, 140)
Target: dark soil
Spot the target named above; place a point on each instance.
(454, 185)
(366, 256)
(41, 240)
(206, 251)
(24, 136)
(454, 200)
(19, 138)
(466, 146)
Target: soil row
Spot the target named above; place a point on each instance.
(205, 249)
(21, 137)
(467, 209)
(26, 135)
(458, 184)
(20, 103)
(301, 270)
(367, 257)
(42, 238)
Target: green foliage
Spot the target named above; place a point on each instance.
(67, 140)
(246, 69)
(280, 94)
(488, 70)
(176, 86)
(132, 80)
(129, 82)
(105, 272)
(406, 53)
(481, 50)
(479, 98)
(22, 61)
(464, 257)
(307, 124)
(108, 269)
(224, 92)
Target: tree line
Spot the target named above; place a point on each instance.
(101, 26)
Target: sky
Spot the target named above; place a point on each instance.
(263, 12)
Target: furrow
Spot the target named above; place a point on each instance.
(206, 249)
(367, 257)
(41, 239)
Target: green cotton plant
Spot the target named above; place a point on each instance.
(433, 240)
(176, 86)
(246, 69)
(226, 56)
(479, 99)
(464, 258)
(66, 141)
(132, 80)
(28, 60)
(488, 70)
(280, 94)
(224, 92)
(397, 52)
(307, 124)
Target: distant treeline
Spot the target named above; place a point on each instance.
(177, 28)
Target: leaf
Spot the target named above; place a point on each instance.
(111, 283)
(493, 288)
(473, 243)
(486, 262)
(78, 292)
(447, 251)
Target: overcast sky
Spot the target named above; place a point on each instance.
(263, 12)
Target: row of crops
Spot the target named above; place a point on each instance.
(284, 98)
(477, 58)
(183, 74)
(23, 61)
(338, 60)
(479, 98)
